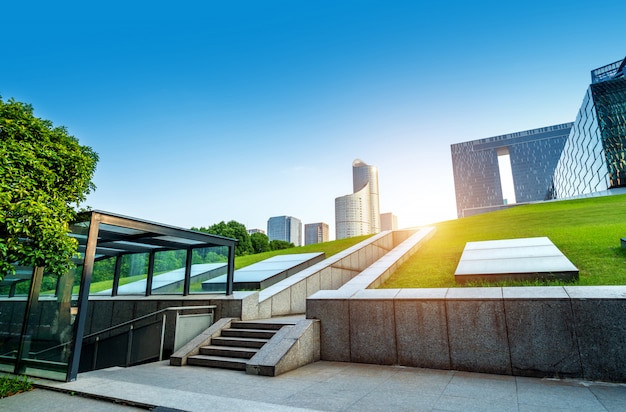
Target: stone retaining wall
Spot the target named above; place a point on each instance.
(572, 331)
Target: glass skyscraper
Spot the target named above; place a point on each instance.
(557, 162)
(285, 228)
(593, 158)
(315, 233)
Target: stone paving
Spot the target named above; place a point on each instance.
(324, 386)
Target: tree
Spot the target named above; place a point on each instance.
(260, 242)
(280, 244)
(44, 174)
(234, 230)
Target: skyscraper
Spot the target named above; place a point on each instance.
(315, 233)
(285, 228)
(594, 157)
(388, 221)
(359, 213)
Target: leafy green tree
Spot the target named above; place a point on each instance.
(280, 244)
(233, 230)
(44, 175)
(260, 242)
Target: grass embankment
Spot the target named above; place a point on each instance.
(587, 231)
(330, 248)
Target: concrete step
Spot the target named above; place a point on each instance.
(248, 333)
(217, 362)
(228, 351)
(238, 342)
(257, 325)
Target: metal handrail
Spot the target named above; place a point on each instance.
(147, 316)
(177, 308)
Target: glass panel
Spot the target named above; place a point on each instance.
(13, 299)
(133, 274)
(169, 272)
(102, 277)
(48, 342)
(208, 263)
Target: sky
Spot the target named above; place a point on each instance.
(209, 111)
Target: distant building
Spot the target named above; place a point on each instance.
(388, 221)
(533, 156)
(252, 231)
(315, 233)
(359, 213)
(285, 228)
(587, 157)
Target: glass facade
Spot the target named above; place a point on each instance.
(286, 228)
(534, 155)
(42, 317)
(594, 158)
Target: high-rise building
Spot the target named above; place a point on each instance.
(388, 221)
(568, 160)
(315, 233)
(285, 228)
(594, 157)
(359, 213)
(531, 156)
(252, 231)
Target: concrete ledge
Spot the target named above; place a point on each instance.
(573, 331)
(290, 348)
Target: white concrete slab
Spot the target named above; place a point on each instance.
(527, 258)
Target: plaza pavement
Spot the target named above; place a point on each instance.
(325, 386)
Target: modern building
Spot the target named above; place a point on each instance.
(359, 213)
(252, 231)
(594, 157)
(285, 228)
(315, 233)
(583, 158)
(388, 221)
(531, 155)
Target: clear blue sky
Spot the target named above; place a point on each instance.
(203, 111)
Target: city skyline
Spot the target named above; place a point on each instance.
(206, 112)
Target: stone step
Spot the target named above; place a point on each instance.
(248, 333)
(228, 351)
(257, 325)
(217, 362)
(238, 342)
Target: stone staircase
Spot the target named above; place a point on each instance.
(235, 345)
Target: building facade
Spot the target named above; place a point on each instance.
(287, 228)
(594, 157)
(388, 221)
(576, 159)
(359, 213)
(315, 233)
(533, 155)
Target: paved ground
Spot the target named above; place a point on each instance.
(327, 386)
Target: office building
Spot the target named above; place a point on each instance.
(531, 156)
(315, 233)
(285, 228)
(359, 213)
(388, 221)
(253, 231)
(594, 157)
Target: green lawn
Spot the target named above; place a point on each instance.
(587, 231)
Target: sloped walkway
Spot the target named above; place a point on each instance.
(327, 386)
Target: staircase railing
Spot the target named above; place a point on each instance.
(134, 341)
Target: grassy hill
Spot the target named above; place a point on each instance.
(330, 248)
(587, 231)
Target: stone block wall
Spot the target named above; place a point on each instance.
(571, 332)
